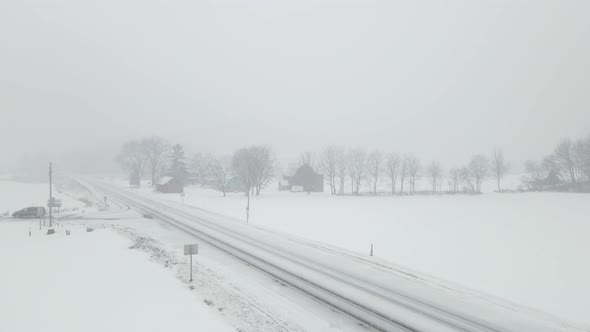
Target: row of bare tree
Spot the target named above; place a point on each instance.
(357, 167)
(151, 152)
(254, 166)
(568, 165)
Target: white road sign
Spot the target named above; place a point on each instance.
(54, 202)
(191, 249)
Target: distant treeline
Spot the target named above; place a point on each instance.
(350, 170)
(357, 168)
(566, 169)
(249, 169)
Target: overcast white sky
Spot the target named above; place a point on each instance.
(442, 79)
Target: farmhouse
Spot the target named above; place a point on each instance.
(304, 179)
(170, 185)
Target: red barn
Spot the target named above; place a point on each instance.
(306, 178)
(170, 185)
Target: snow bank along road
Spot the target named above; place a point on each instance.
(381, 296)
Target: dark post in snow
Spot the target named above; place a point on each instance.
(248, 194)
(50, 196)
(248, 208)
(371, 250)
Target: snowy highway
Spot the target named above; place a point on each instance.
(382, 296)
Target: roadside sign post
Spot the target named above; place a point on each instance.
(182, 197)
(50, 194)
(190, 250)
(54, 203)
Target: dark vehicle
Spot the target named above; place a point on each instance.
(30, 213)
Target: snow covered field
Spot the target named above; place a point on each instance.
(17, 195)
(527, 248)
(86, 281)
(90, 282)
(111, 264)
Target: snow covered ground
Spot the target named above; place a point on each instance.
(525, 248)
(90, 282)
(520, 247)
(109, 265)
(17, 195)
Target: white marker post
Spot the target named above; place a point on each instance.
(190, 250)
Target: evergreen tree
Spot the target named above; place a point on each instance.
(178, 168)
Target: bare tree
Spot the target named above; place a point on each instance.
(350, 169)
(467, 179)
(499, 166)
(200, 167)
(265, 172)
(156, 150)
(255, 166)
(413, 167)
(242, 165)
(477, 171)
(454, 179)
(392, 165)
(568, 164)
(403, 174)
(220, 169)
(132, 159)
(554, 169)
(435, 173)
(328, 165)
(375, 165)
(341, 168)
(309, 158)
(564, 160)
(357, 166)
(535, 175)
(582, 156)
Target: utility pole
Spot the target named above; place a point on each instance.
(249, 188)
(248, 209)
(50, 196)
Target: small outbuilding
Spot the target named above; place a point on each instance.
(134, 180)
(235, 185)
(284, 183)
(170, 185)
(304, 178)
